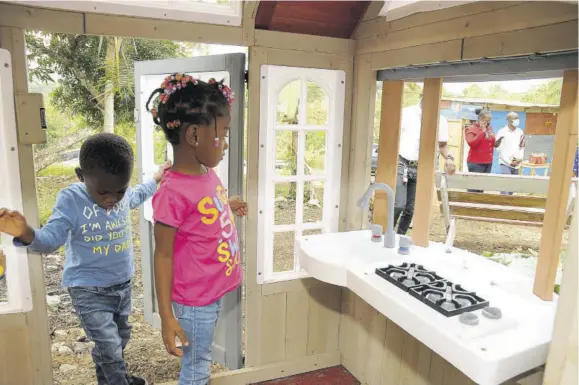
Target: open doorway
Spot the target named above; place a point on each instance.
(535, 103)
(81, 78)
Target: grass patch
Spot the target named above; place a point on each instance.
(58, 170)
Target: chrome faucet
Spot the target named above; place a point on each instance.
(364, 202)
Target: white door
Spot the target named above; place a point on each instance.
(152, 152)
(15, 296)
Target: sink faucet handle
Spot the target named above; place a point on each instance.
(405, 241)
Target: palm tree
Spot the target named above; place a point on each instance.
(118, 79)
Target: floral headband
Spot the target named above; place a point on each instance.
(178, 81)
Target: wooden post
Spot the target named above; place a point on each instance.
(561, 172)
(387, 165)
(360, 141)
(426, 160)
(562, 360)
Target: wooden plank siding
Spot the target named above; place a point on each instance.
(379, 352)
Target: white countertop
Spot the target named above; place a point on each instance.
(489, 353)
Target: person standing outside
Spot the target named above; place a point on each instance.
(406, 177)
(481, 140)
(576, 163)
(511, 146)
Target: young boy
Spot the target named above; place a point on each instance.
(92, 217)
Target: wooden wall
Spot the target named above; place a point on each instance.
(540, 123)
(378, 352)
(300, 318)
(471, 31)
(295, 319)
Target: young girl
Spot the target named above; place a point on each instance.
(197, 256)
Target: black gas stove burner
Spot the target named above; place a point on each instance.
(407, 275)
(447, 298)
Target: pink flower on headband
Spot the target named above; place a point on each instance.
(178, 81)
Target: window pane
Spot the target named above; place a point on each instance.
(3, 286)
(288, 103)
(312, 232)
(285, 203)
(315, 163)
(286, 150)
(318, 105)
(313, 201)
(283, 251)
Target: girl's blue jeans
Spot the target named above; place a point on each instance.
(198, 324)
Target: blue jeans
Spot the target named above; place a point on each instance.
(481, 168)
(508, 171)
(405, 197)
(198, 324)
(104, 315)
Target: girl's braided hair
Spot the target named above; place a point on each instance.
(184, 99)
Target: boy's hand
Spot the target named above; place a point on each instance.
(238, 205)
(161, 171)
(170, 329)
(13, 223)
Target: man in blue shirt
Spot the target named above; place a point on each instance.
(92, 218)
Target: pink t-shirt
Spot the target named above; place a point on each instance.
(206, 262)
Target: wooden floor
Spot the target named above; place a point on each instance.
(336, 375)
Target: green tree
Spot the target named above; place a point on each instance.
(94, 74)
(547, 93)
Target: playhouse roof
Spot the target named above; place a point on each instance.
(321, 18)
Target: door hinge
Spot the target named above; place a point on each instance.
(246, 76)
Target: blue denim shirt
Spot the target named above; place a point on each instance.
(99, 247)
(575, 164)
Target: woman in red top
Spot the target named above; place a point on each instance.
(481, 140)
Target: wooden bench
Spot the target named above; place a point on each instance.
(524, 210)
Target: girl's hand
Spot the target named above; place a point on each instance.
(161, 171)
(13, 223)
(170, 328)
(238, 206)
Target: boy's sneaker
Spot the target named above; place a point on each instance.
(137, 381)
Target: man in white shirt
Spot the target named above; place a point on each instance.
(512, 146)
(411, 123)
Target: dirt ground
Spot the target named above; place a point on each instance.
(145, 353)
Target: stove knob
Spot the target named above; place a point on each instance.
(469, 319)
(492, 312)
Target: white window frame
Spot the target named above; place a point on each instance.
(273, 80)
(17, 274)
(178, 10)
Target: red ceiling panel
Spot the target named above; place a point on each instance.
(321, 18)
